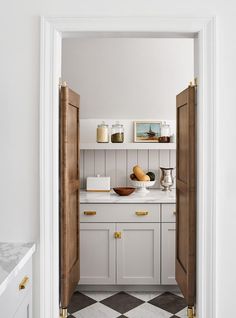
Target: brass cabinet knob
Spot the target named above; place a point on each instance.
(141, 213)
(90, 212)
(117, 235)
(23, 283)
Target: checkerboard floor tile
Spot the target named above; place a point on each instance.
(127, 305)
(169, 302)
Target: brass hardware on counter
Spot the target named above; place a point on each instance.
(90, 212)
(23, 283)
(117, 235)
(141, 213)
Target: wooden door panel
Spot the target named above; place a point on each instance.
(182, 230)
(73, 220)
(183, 143)
(69, 194)
(186, 195)
(72, 147)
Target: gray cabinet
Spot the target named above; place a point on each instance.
(168, 244)
(138, 254)
(16, 301)
(127, 244)
(25, 309)
(97, 253)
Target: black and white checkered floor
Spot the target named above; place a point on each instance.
(127, 304)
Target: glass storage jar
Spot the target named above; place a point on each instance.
(165, 133)
(103, 133)
(117, 133)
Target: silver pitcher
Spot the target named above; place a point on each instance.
(167, 179)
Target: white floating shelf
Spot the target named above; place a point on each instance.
(131, 145)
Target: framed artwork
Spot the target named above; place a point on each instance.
(147, 131)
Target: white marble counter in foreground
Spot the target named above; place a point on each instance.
(13, 256)
(154, 196)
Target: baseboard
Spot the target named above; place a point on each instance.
(138, 288)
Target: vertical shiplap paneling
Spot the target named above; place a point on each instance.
(143, 160)
(121, 164)
(89, 166)
(100, 162)
(81, 169)
(118, 164)
(132, 160)
(154, 166)
(165, 158)
(173, 164)
(111, 166)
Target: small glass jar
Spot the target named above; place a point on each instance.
(117, 133)
(165, 133)
(165, 130)
(102, 133)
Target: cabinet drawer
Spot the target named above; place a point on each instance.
(168, 213)
(119, 212)
(13, 296)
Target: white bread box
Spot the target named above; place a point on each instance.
(98, 184)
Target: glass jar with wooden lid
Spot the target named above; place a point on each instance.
(117, 133)
(102, 133)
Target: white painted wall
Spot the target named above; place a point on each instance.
(127, 78)
(19, 86)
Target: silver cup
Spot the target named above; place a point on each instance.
(167, 179)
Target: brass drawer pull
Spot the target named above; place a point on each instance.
(90, 212)
(117, 235)
(141, 213)
(23, 283)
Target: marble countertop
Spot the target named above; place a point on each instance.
(13, 256)
(154, 196)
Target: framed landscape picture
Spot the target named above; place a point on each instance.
(147, 131)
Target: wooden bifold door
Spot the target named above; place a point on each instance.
(69, 194)
(186, 195)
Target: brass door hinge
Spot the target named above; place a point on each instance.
(191, 313)
(194, 83)
(63, 313)
(62, 83)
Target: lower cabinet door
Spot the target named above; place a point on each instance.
(138, 253)
(97, 253)
(168, 254)
(25, 309)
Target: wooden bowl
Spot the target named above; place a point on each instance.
(124, 190)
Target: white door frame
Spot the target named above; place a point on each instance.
(53, 29)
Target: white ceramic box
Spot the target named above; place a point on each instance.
(98, 184)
